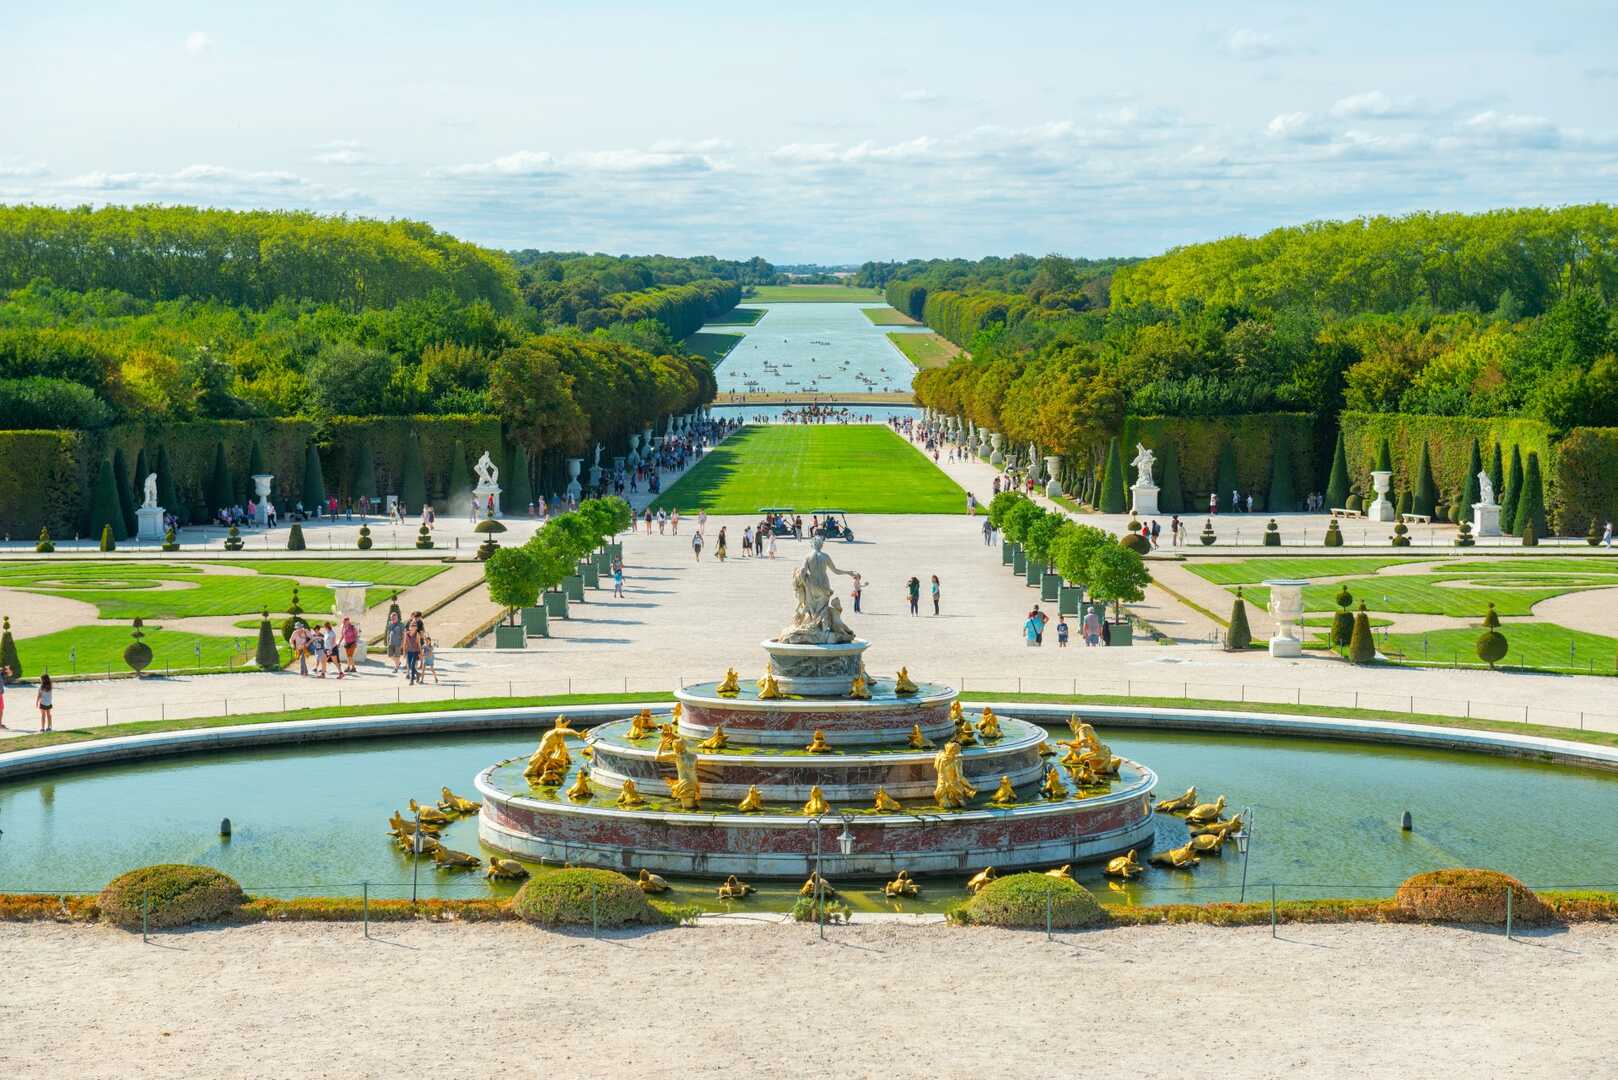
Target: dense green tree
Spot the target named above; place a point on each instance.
(1112, 481)
(1497, 473)
(1470, 491)
(1225, 481)
(167, 497)
(1424, 499)
(126, 493)
(1513, 493)
(1171, 499)
(1337, 485)
(413, 478)
(1531, 504)
(105, 513)
(221, 488)
(519, 492)
(1281, 499)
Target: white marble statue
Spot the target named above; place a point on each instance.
(151, 490)
(488, 473)
(818, 619)
(1143, 465)
(597, 462)
(1485, 488)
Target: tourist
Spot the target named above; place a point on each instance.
(719, 545)
(300, 646)
(472, 511)
(674, 521)
(351, 642)
(696, 545)
(1042, 618)
(1175, 525)
(412, 650)
(935, 594)
(5, 673)
(333, 648)
(855, 593)
(702, 521)
(662, 522)
(646, 519)
(971, 504)
(1061, 631)
(429, 657)
(1157, 530)
(1106, 633)
(1213, 503)
(1606, 535)
(747, 542)
(393, 635)
(1031, 630)
(44, 702)
(618, 578)
(1249, 502)
(1092, 627)
(913, 592)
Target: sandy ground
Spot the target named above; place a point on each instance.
(767, 999)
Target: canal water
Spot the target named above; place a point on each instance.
(814, 348)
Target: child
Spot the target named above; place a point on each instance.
(44, 702)
(1061, 631)
(428, 654)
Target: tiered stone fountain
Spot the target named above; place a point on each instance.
(752, 808)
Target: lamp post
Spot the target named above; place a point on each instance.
(845, 844)
(415, 862)
(1244, 841)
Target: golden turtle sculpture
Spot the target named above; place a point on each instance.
(505, 870)
(1124, 866)
(1180, 858)
(976, 882)
(902, 885)
(1205, 813)
(732, 888)
(455, 860)
(651, 883)
(1177, 804)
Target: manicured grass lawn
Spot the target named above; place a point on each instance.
(715, 347)
(861, 469)
(1247, 571)
(157, 591)
(925, 350)
(738, 316)
(812, 294)
(376, 571)
(1418, 594)
(888, 316)
(1542, 646)
(91, 649)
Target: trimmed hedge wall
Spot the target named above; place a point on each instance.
(1449, 446)
(46, 479)
(1583, 481)
(1199, 440)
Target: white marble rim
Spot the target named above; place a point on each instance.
(810, 701)
(1007, 744)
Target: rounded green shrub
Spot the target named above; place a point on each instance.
(44, 547)
(1134, 541)
(1342, 623)
(169, 543)
(1469, 896)
(177, 895)
(1492, 645)
(563, 898)
(1019, 900)
(1354, 503)
(364, 541)
(1401, 534)
(1593, 537)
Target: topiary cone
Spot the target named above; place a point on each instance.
(8, 650)
(1361, 649)
(1530, 538)
(44, 547)
(107, 542)
(1334, 534)
(295, 538)
(1238, 636)
(268, 655)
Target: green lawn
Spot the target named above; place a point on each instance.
(715, 347)
(1247, 571)
(812, 294)
(1419, 594)
(125, 590)
(91, 649)
(738, 316)
(925, 350)
(861, 469)
(888, 316)
(1542, 646)
(375, 571)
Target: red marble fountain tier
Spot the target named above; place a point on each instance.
(886, 718)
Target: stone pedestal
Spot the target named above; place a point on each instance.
(1145, 504)
(595, 477)
(1486, 519)
(1381, 509)
(574, 492)
(1286, 608)
(483, 493)
(815, 669)
(261, 498)
(149, 523)
(1053, 469)
(348, 598)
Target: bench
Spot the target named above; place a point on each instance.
(1420, 519)
(1344, 512)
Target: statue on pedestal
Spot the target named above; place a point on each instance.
(150, 491)
(1485, 488)
(818, 619)
(1143, 465)
(488, 472)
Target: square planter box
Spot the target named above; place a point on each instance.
(614, 551)
(536, 620)
(1019, 563)
(1121, 633)
(591, 578)
(1034, 574)
(1050, 587)
(1068, 599)
(556, 603)
(1006, 548)
(603, 561)
(510, 637)
(573, 586)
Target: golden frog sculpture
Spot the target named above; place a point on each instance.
(666, 734)
(818, 744)
(1046, 750)
(769, 689)
(963, 735)
(629, 797)
(650, 882)
(1180, 858)
(817, 804)
(858, 690)
(988, 725)
(1178, 803)
(716, 741)
(730, 685)
(641, 725)
(505, 870)
(901, 886)
(975, 883)
(951, 789)
(826, 887)
(732, 888)
(1124, 866)
(551, 774)
(1082, 775)
(580, 788)
(1005, 794)
(752, 802)
(1053, 787)
(886, 803)
(455, 860)
(685, 787)
(429, 815)
(451, 803)
(1205, 813)
(918, 741)
(902, 684)
(402, 826)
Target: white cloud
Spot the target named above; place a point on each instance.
(521, 163)
(1295, 127)
(919, 97)
(689, 146)
(1373, 103)
(536, 163)
(211, 185)
(638, 161)
(196, 42)
(1248, 44)
(348, 156)
(22, 170)
(1513, 129)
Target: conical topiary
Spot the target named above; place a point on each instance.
(126, 501)
(313, 493)
(1497, 474)
(137, 654)
(221, 488)
(362, 484)
(1337, 485)
(1463, 535)
(104, 511)
(364, 541)
(107, 542)
(1508, 505)
(1424, 499)
(519, 492)
(1593, 537)
(268, 654)
(44, 546)
(1112, 481)
(459, 479)
(1342, 623)
(1384, 457)
(1225, 474)
(424, 537)
(1361, 649)
(167, 496)
(1208, 537)
(233, 539)
(1171, 497)
(1531, 504)
(8, 650)
(1470, 492)
(1492, 644)
(1237, 635)
(295, 538)
(1406, 503)
(1334, 534)
(1272, 534)
(1530, 535)
(412, 479)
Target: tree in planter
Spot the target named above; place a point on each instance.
(550, 566)
(1342, 623)
(1334, 534)
(126, 501)
(1238, 635)
(45, 545)
(1491, 645)
(1116, 573)
(1019, 519)
(233, 539)
(1112, 480)
(1508, 504)
(1041, 535)
(1171, 499)
(107, 542)
(313, 494)
(268, 655)
(1071, 550)
(1282, 498)
(8, 650)
(1531, 505)
(1425, 498)
(1001, 504)
(512, 580)
(364, 541)
(105, 516)
(1337, 486)
(1361, 649)
(295, 538)
(1384, 457)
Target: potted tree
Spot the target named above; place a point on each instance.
(1119, 575)
(1071, 551)
(513, 583)
(548, 572)
(1018, 520)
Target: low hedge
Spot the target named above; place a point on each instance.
(1019, 900)
(563, 898)
(177, 894)
(1469, 896)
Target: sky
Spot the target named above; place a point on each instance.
(819, 132)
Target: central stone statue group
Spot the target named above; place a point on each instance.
(818, 618)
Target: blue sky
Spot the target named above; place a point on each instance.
(822, 132)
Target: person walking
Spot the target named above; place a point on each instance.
(1031, 631)
(913, 591)
(300, 646)
(393, 635)
(987, 529)
(935, 594)
(5, 673)
(333, 650)
(719, 545)
(472, 511)
(1157, 530)
(429, 656)
(1061, 631)
(1213, 503)
(618, 578)
(747, 542)
(674, 521)
(1174, 531)
(43, 700)
(1606, 535)
(1092, 627)
(412, 651)
(351, 643)
(856, 592)
(772, 543)
(1106, 633)
(696, 544)
(702, 520)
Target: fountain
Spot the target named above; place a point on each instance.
(915, 784)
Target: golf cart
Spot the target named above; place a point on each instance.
(834, 525)
(779, 519)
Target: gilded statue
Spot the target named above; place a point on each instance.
(1082, 775)
(769, 669)
(1046, 749)
(685, 787)
(963, 735)
(716, 741)
(818, 744)
(752, 802)
(988, 724)
(730, 685)
(1062, 872)
(1208, 843)
(858, 689)
(1053, 787)
(551, 774)
(642, 725)
(808, 888)
(818, 617)
(505, 870)
(902, 885)
(1124, 866)
(552, 748)
(1180, 858)
(951, 791)
(403, 826)
(1092, 749)
(580, 788)
(451, 803)
(1205, 813)
(1225, 829)
(886, 803)
(769, 689)
(955, 714)
(454, 860)
(650, 882)
(734, 889)
(976, 882)
(918, 741)
(817, 804)
(1178, 803)
(902, 684)
(1005, 794)
(429, 815)
(407, 844)
(666, 734)
(629, 797)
